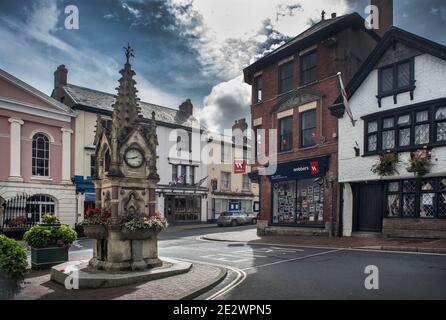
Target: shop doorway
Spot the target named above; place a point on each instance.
(369, 207)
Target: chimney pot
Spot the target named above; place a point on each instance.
(187, 108)
(385, 12)
(333, 15)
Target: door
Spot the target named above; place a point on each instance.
(169, 209)
(370, 207)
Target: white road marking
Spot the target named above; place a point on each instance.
(241, 276)
(223, 257)
(291, 260)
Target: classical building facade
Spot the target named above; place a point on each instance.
(398, 99)
(179, 197)
(36, 135)
(292, 88)
(230, 188)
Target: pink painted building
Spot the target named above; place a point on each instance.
(36, 158)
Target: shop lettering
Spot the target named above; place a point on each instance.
(314, 168)
(301, 169)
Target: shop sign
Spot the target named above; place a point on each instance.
(239, 166)
(302, 169)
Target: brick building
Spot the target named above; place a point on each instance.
(292, 88)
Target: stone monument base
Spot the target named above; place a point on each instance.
(79, 275)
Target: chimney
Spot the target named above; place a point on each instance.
(385, 12)
(60, 80)
(333, 15)
(242, 126)
(187, 108)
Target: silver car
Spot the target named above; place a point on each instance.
(235, 218)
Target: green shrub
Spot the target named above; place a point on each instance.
(13, 260)
(41, 236)
(50, 218)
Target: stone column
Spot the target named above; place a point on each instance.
(15, 149)
(66, 155)
(188, 181)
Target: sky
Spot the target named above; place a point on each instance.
(184, 49)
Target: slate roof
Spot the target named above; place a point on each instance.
(319, 31)
(102, 102)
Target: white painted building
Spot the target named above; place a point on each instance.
(398, 99)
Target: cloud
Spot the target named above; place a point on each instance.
(228, 101)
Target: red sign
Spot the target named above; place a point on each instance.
(314, 167)
(239, 166)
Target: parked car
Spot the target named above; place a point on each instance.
(236, 218)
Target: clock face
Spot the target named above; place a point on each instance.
(134, 158)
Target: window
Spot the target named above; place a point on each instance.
(308, 68)
(40, 155)
(286, 77)
(424, 198)
(258, 89)
(183, 175)
(245, 182)
(285, 134)
(396, 78)
(307, 128)
(106, 124)
(440, 124)
(406, 129)
(225, 180)
(39, 205)
(225, 152)
(174, 172)
(192, 175)
(92, 166)
(258, 142)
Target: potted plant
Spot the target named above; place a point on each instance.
(50, 220)
(13, 267)
(49, 244)
(95, 223)
(386, 165)
(420, 162)
(140, 226)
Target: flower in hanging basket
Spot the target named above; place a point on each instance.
(420, 162)
(386, 165)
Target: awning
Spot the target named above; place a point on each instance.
(90, 197)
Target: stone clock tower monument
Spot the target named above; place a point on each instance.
(126, 178)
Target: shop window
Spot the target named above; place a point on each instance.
(258, 87)
(405, 129)
(285, 134)
(286, 77)
(424, 199)
(298, 202)
(308, 68)
(40, 155)
(307, 128)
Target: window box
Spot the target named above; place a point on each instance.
(45, 258)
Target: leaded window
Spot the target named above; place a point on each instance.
(396, 78)
(40, 155)
(424, 198)
(405, 129)
(440, 121)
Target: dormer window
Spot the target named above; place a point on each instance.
(395, 79)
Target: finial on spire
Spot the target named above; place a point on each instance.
(323, 15)
(129, 52)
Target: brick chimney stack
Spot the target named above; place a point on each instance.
(385, 8)
(60, 80)
(241, 125)
(187, 108)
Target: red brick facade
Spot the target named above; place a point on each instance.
(352, 46)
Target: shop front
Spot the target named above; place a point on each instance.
(298, 191)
